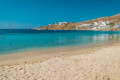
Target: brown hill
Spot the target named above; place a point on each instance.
(72, 26)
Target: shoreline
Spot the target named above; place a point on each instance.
(31, 56)
(92, 63)
(100, 62)
(80, 29)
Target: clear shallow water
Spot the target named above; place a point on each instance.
(22, 40)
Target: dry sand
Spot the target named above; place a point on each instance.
(101, 63)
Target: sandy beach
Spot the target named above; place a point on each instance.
(97, 63)
(59, 40)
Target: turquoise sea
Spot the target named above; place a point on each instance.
(17, 40)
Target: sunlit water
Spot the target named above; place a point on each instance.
(22, 40)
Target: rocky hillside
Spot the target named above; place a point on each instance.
(109, 23)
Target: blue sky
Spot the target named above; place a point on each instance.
(35, 13)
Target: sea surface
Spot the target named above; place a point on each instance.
(18, 40)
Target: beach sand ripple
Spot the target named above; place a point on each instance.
(103, 64)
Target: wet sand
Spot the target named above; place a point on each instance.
(91, 63)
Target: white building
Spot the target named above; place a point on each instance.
(99, 27)
(86, 25)
(116, 26)
(107, 22)
(61, 23)
(96, 23)
(103, 24)
(108, 26)
(94, 28)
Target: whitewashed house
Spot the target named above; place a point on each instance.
(116, 26)
(86, 25)
(96, 23)
(107, 22)
(102, 24)
(94, 28)
(108, 26)
(99, 27)
(61, 23)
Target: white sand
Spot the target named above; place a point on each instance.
(103, 64)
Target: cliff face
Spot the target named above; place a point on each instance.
(111, 22)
